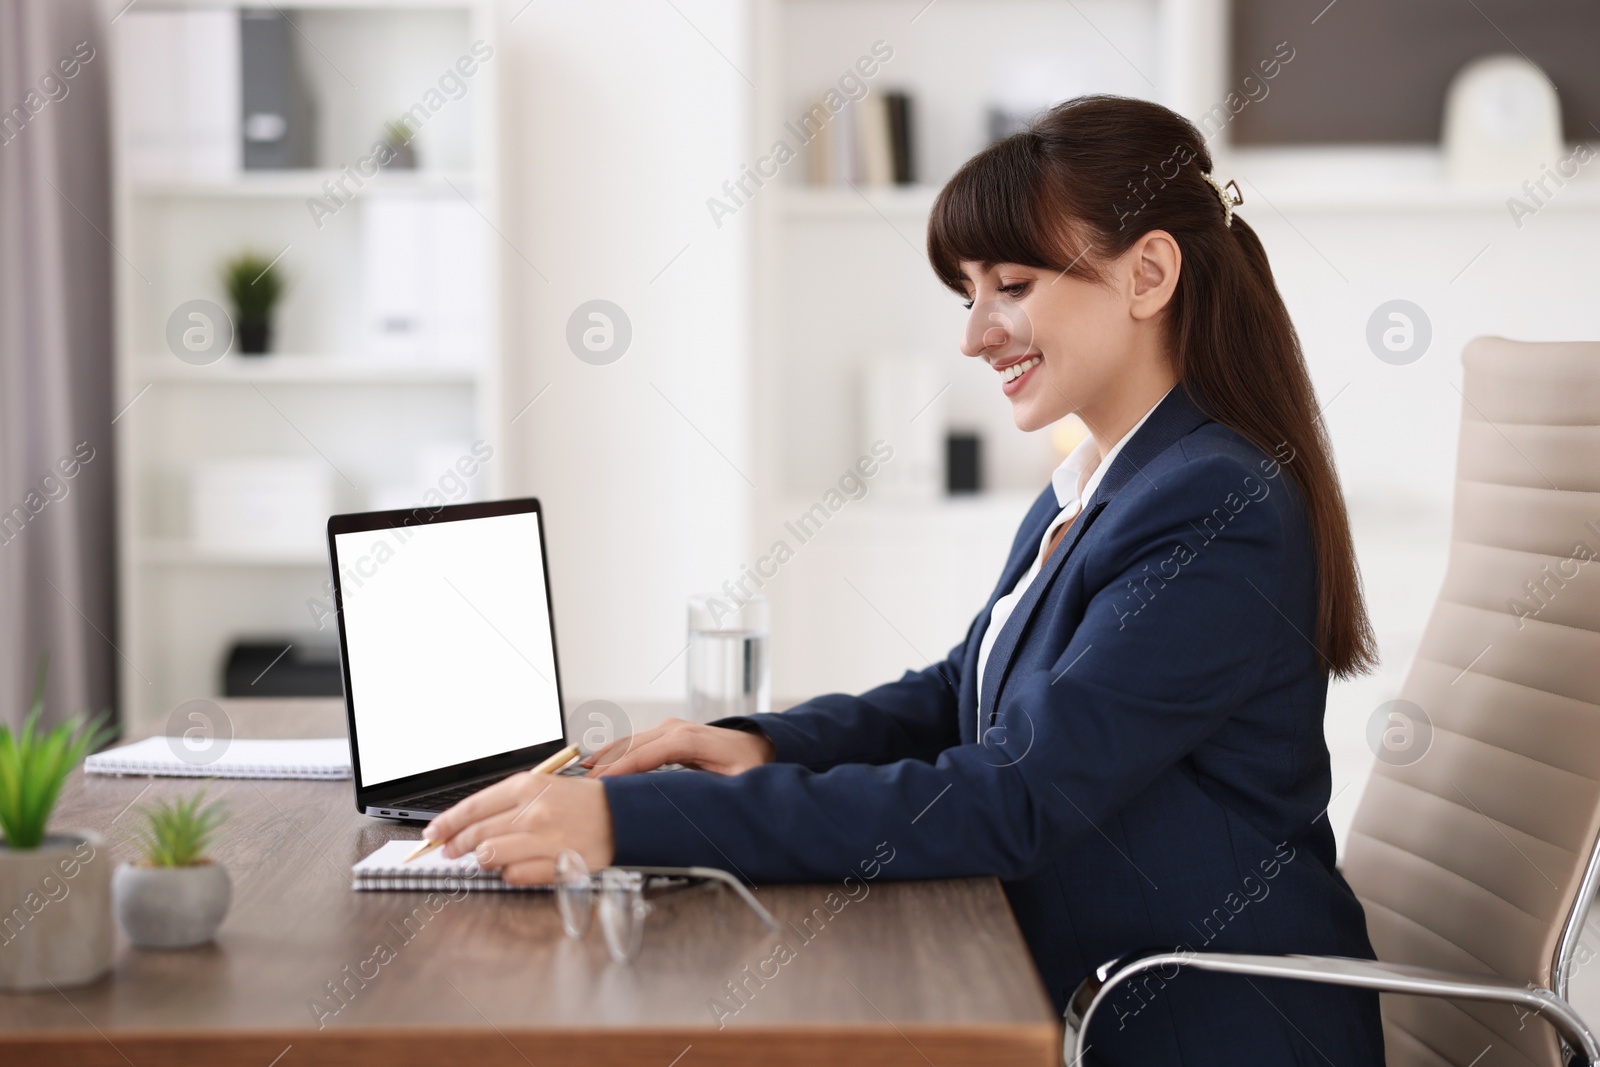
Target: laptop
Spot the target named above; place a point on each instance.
(447, 649)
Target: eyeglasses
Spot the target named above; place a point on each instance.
(620, 893)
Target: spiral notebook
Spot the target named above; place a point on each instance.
(386, 869)
(325, 758)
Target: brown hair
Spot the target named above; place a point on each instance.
(1077, 189)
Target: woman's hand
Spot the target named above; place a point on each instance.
(520, 824)
(708, 748)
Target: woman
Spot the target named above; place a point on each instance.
(1130, 735)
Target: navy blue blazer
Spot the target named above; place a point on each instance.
(1150, 773)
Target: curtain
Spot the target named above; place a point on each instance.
(57, 484)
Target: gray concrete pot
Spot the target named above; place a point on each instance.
(171, 907)
(55, 912)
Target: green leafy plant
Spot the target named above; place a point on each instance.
(255, 284)
(177, 833)
(34, 765)
(396, 134)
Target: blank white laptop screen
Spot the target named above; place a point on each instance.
(447, 630)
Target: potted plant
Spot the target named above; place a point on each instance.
(255, 284)
(397, 139)
(173, 896)
(55, 888)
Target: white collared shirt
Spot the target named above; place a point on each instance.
(1074, 483)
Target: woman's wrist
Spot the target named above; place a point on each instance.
(766, 749)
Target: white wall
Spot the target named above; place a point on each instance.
(620, 118)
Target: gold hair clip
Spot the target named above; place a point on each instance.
(1229, 194)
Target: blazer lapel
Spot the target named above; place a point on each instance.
(1005, 646)
(1034, 524)
(1176, 416)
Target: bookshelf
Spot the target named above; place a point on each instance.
(295, 185)
(326, 393)
(301, 369)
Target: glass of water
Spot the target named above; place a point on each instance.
(728, 669)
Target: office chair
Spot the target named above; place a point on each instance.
(1475, 854)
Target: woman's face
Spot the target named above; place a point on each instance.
(1061, 344)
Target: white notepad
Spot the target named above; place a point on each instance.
(386, 869)
(323, 757)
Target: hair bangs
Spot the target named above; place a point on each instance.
(996, 210)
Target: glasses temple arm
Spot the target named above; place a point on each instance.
(718, 876)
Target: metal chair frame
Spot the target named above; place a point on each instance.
(1580, 1046)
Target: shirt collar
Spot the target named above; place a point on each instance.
(1066, 478)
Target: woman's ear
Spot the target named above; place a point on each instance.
(1154, 262)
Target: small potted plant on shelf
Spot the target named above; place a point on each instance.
(55, 888)
(402, 154)
(173, 896)
(255, 284)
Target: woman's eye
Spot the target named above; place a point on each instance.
(1015, 289)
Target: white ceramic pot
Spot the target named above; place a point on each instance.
(170, 907)
(55, 912)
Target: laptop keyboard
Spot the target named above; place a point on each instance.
(440, 799)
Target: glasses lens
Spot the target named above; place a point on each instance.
(574, 893)
(623, 910)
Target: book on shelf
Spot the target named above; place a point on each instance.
(424, 280)
(898, 104)
(819, 160)
(846, 147)
(179, 93)
(206, 93)
(868, 142)
(279, 118)
(877, 153)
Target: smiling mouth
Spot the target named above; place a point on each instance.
(1016, 370)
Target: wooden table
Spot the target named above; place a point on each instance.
(912, 973)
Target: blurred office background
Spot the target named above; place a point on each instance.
(546, 248)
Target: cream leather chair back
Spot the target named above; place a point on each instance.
(1479, 854)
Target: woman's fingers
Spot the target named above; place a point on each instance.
(604, 750)
(527, 817)
(671, 748)
(625, 746)
(609, 753)
(622, 745)
(710, 748)
(530, 872)
(507, 795)
(471, 838)
(507, 849)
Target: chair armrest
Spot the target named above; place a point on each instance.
(1328, 970)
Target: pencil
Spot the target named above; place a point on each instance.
(555, 763)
